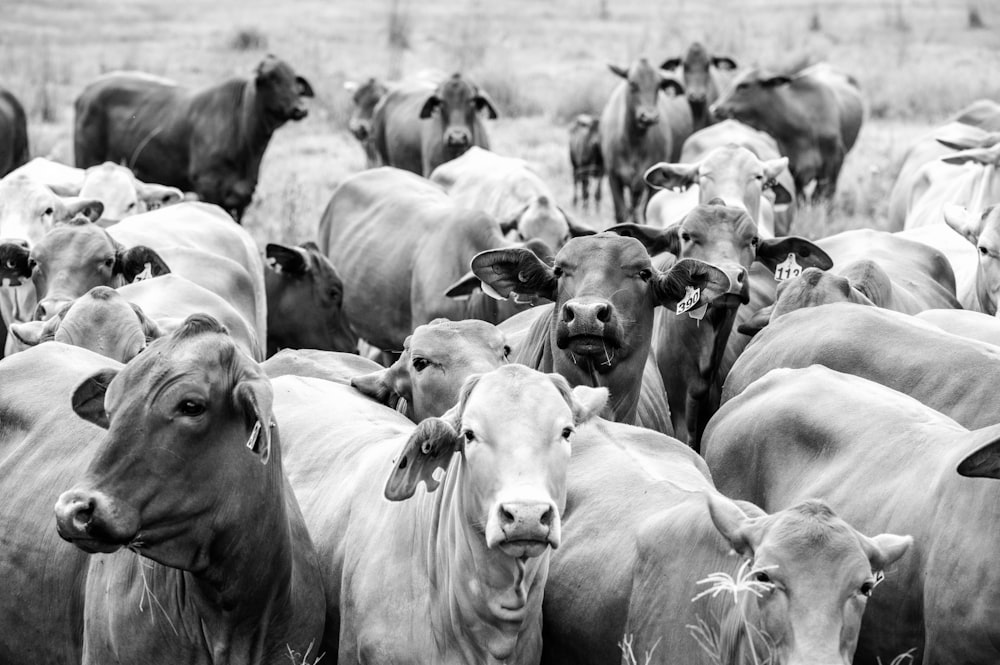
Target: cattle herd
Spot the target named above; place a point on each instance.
(460, 426)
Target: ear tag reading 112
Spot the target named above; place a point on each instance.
(787, 269)
(691, 297)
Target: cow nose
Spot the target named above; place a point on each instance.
(298, 112)
(696, 97)
(102, 524)
(359, 129)
(596, 311)
(522, 521)
(457, 137)
(647, 118)
(74, 514)
(48, 308)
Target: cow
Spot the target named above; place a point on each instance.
(704, 77)
(893, 464)
(453, 573)
(511, 192)
(209, 141)
(585, 159)
(870, 268)
(114, 185)
(29, 209)
(815, 115)
(13, 133)
(640, 126)
(644, 527)
(927, 182)
(364, 97)
(954, 375)
(605, 290)
(689, 350)
(160, 468)
(305, 301)
(964, 323)
(400, 242)
(419, 125)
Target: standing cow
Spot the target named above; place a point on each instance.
(815, 116)
(13, 133)
(209, 141)
(640, 127)
(365, 96)
(419, 125)
(586, 159)
(704, 78)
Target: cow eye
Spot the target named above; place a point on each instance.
(131, 206)
(191, 408)
(645, 274)
(984, 251)
(420, 364)
(506, 351)
(48, 211)
(469, 435)
(567, 431)
(866, 589)
(754, 241)
(762, 577)
(557, 271)
(686, 237)
(110, 261)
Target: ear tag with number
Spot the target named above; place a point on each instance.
(691, 297)
(787, 269)
(491, 292)
(147, 273)
(698, 313)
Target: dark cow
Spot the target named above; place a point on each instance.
(364, 97)
(209, 141)
(305, 301)
(605, 290)
(161, 469)
(815, 116)
(586, 159)
(689, 348)
(13, 133)
(883, 461)
(704, 76)
(400, 242)
(418, 126)
(640, 127)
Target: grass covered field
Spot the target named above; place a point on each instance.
(543, 61)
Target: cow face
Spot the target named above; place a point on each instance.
(365, 96)
(305, 300)
(751, 98)
(187, 427)
(983, 231)
(541, 219)
(643, 85)
(457, 101)
(281, 90)
(698, 84)
(814, 574)
(29, 209)
(122, 194)
(437, 359)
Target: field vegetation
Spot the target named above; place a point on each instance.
(543, 61)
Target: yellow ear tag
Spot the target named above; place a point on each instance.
(254, 433)
(691, 297)
(147, 273)
(787, 269)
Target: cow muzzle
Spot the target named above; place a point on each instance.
(49, 307)
(739, 289)
(523, 529)
(588, 328)
(360, 128)
(94, 522)
(457, 137)
(298, 112)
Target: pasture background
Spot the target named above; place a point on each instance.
(543, 61)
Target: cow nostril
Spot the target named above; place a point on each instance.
(40, 312)
(740, 278)
(546, 518)
(506, 517)
(603, 313)
(83, 514)
(568, 314)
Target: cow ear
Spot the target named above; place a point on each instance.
(772, 251)
(156, 196)
(671, 63)
(304, 88)
(671, 287)
(618, 71)
(290, 260)
(656, 240)
(576, 230)
(723, 62)
(33, 333)
(757, 321)
(884, 549)
(511, 224)
(429, 448)
(88, 398)
(742, 532)
(986, 156)
(150, 330)
(515, 270)
(14, 265)
(671, 83)
(772, 169)
(962, 223)
(387, 386)
(464, 287)
(984, 459)
(588, 403)
(138, 263)
(776, 81)
(92, 209)
(671, 176)
(483, 101)
(428, 108)
(253, 396)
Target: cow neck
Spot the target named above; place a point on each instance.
(255, 126)
(466, 578)
(981, 196)
(987, 303)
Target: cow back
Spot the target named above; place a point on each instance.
(13, 133)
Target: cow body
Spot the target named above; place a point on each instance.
(814, 115)
(13, 133)
(419, 125)
(788, 428)
(365, 96)
(209, 141)
(585, 158)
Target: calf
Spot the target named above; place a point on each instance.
(585, 158)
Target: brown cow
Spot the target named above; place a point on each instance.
(365, 96)
(586, 159)
(209, 141)
(704, 78)
(418, 126)
(13, 133)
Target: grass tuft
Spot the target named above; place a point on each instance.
(628, 654)
(303, 658)
(248, 39)
(905, 658)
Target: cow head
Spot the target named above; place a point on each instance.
(542, 219)
(643, 85)
(751, 98)
(281, 90)
(457, 101)
(698, 83)
(731, 174)
(364, 96)
(813, 574)
(101, 320)
(117, 188)
(178, 475)
(437, 359)
(29, 209)
(305, 299)
(983, 231)
(75, 257)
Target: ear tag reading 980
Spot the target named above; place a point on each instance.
(787, 269)
(691, 297)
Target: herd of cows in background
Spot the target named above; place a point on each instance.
(585, 408)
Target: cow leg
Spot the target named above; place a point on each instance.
(617, 188)
(585, 187)
(638, 201)
(597, 192)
